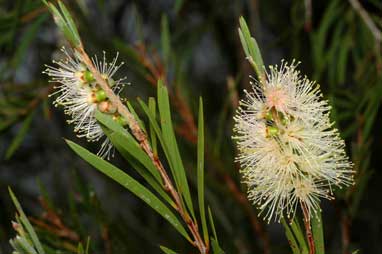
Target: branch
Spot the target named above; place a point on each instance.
(144, 143)
(377, 34)
(308, 229)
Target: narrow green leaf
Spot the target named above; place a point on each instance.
(65, 23)
(297, 231)
(167, 250)
(87, 245)
(117, 140)
(200, 171)
(132, 110)
(131, 184)
(80, 249)
(154, 125)
(153, 138)
(23, 246)
(178, 5)
(216, 249)
(170, 140)
(26, 223)
(60, 22)
(318, 235)
(251, 49)
(70, 22)
(165, 40)
(212, 224)
(319, 38)
(343, 59)
(16, 142)
(108, 121)
(291, 239)
(125, 140)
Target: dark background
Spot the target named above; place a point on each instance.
(333, 43)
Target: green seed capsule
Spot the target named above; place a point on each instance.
(268, 116)
(88, 76)
(284, 121)
(100, 95)
(272, 131)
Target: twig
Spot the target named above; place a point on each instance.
(33, 14)
(345, 229)
(52, 222)
(368, 21)
(157, 71)
(188, 130)
(106, 239)
(308, 229)
(143, 141)
(308, 15)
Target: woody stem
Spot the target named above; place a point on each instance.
(144, 143)
(308, 229)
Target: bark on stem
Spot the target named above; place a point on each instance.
(143, 141)
(308, 229)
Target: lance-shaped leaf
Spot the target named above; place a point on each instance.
(35, 246)
(165, 40)
(297, 231)
(216, 249)
(200, 171)
(318, 235)
(153, 137)
(167, 250)
(131, 184)
(291, 238)
(16, 142)
(65, 22)
(170, 141)
(121, 144)
(251, 49)
(129, 143)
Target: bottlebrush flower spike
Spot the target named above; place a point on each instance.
(289, 152)
(80, 95)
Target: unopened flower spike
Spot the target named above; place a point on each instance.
(289, 152)
(80, 95)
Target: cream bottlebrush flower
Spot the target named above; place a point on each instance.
(81, 96)
(289, 152)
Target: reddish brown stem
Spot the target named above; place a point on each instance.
(308, 229)
(143, 141)
(345, 224)
(188, 131)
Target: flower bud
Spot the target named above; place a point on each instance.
(272, 131)
(88, 76)
(107, 107)
(100, 95)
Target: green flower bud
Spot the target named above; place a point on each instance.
(268, 116)
(88, 76)
(100, 95)
(272, 131)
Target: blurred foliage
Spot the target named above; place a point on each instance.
(195, 48)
